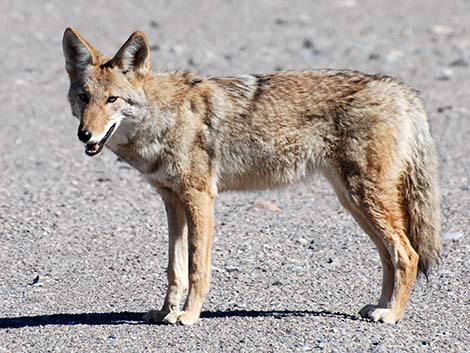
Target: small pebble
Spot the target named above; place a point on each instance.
(267, 205)
(460, 62)
(447, 236)
(442, 30)
(394, 56)
(445, 74)
(280, 21)
(35, 281)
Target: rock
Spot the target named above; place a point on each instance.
(374, 56)
(35, 281)
(267, 205)
(445, 74)
(442, 30)
(347, 3)
(307, 43)
(302, 241)
(448, 236)
(304, 19)
(103, 180)
(154, 24)
(460, 62)
(232, 269)
(280, 21)
(444, 108)
(394, 56)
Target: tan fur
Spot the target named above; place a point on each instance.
(194, 137)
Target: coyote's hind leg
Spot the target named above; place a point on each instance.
(378, 210)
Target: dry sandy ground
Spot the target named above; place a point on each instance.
(95, 233)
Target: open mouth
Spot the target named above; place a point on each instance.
(92, 149)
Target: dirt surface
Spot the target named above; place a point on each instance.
(83, 240)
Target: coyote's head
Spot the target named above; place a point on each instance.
(105, 93)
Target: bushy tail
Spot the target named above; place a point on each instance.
(422, 201)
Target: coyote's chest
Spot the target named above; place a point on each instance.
(145, 159)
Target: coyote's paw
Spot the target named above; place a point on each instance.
(155, 316)
(171, 317)
(186, 318)
(374, 313)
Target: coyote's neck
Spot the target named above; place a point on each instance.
(140, 137)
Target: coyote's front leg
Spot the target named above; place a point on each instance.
(199, 215)
(177, 271)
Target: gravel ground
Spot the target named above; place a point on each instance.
(83, 240)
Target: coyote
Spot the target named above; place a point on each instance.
(193, 137)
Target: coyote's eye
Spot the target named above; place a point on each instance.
(83, 97)
(112, 99)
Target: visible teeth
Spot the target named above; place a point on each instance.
(92, 147)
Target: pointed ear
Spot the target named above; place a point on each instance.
(134, 55)
(78, 53)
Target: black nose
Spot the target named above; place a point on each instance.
(84, 135)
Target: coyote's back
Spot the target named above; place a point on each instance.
(286, 126)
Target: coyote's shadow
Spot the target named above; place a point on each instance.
(135, 318)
